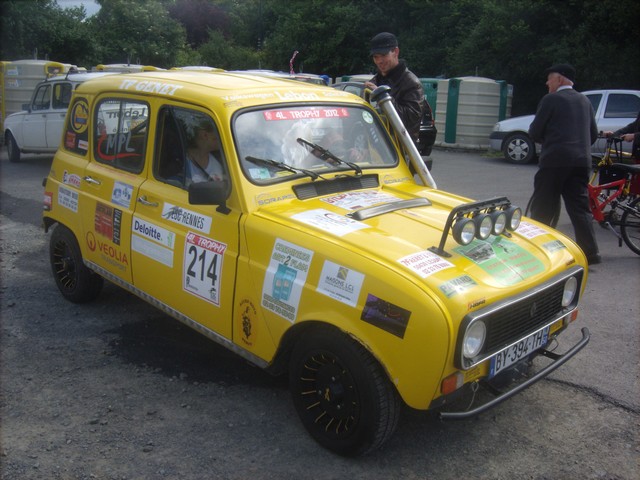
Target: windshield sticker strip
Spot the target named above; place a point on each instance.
(306, 113)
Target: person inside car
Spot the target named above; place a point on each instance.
(202, 162)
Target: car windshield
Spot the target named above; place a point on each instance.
(277, 143)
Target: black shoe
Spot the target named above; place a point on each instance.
(594, 259)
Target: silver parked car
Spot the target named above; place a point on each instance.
(613, 109)
(38, 127)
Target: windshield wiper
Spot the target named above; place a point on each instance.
(325, 155)
(266, 162)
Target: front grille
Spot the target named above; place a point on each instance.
(514, 319)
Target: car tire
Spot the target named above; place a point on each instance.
(75, 281)
(13, 152)
(342, 395)
(519, 149)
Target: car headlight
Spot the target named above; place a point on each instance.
(484, 226)
(514, 215)
(474, 339)
(570, 291)
(464, 231)
(499, 219)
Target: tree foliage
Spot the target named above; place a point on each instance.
(512, 40)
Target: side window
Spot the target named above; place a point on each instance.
(622, 105)
(61, 95)
(595, 100)
(120, 133)
(76, 130)
(188, 148)
(42, 98)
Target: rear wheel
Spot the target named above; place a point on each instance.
(342, 395)
(630, 226)
(519, 148)
(75, 281)
(13, 152)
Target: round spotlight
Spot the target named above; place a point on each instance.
(474, 339)
(499, 219)
(570, 290)
(464, 231)
(514, 215)
(484, 226)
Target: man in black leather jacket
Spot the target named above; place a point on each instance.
(406, 90)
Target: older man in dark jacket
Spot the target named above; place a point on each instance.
(565, 126)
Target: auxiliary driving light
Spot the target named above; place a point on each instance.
(474, 339)
(464, 231)
(514, 215)
(484, 225)
(570, 290)
(499, 219)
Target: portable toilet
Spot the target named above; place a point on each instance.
(430, 88)
(467, 108)
(19, 78)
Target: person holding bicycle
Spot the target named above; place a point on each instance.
(630, 133)
(565, 126)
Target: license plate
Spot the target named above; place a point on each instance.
(518, 351)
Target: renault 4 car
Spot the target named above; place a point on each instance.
(281, 220)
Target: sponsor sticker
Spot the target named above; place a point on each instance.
(185, 217)
(554, 246)
(154, 232)
(121, 194)
(385, 315)
(357, 200)
(425, 263)
(285, 278)
(528, 230)
(71, 179)
(457, 285)
(68, 198)
(329, 222)
(340, 283)
(108, 222)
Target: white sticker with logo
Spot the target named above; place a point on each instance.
(329, 222)
(357, 200)
(121, 194)
(340, 283)
(71, 179)
(285, 279)
(202, 267)
(68, 198)
(185, 217)
(425, 263)
(153, 241)
(528, 230)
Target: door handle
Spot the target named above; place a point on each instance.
(143, 200)
(92, 180)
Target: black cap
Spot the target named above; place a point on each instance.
(563, 69)
(383, 43)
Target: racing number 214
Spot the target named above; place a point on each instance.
(202, 261)
(202, 267)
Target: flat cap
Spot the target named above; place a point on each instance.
(563, 69)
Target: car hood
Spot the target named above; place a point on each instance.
(404, 240)
(516, 123)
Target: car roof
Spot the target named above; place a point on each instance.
(78, 77)
(231, 90)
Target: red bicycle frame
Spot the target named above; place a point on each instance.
(596, 204)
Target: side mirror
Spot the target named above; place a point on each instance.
(26, 106)
(210, 193)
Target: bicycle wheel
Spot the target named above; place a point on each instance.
(630, 226)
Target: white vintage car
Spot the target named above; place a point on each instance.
(38, 127)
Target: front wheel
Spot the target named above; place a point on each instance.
(342, 395)
(75, 281)
(13, 152)
(519, 148)
(630, 226)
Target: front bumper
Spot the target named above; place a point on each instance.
(496, 139)
(558, 360)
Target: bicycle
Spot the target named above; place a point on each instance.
(613, 195)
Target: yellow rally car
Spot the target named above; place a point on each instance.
(281, 220)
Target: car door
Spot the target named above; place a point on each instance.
(111, 182)
(614, 110)
(35, 122)
(184, 255)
